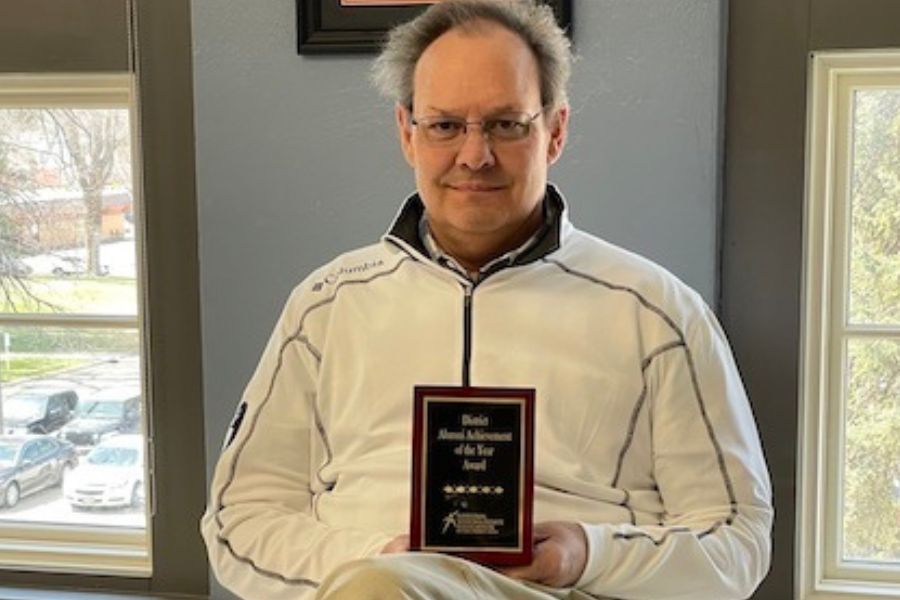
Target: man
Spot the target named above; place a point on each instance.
(650, 481)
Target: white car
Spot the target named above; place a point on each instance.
(111, 475)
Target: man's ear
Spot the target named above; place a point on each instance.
(559, 132)
(404, 130)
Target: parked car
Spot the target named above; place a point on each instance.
(110, 411)
(37, 411)
(13, 267)
(29, 464)
(111, 475)
(65, 266)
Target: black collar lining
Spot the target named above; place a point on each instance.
(406, 227)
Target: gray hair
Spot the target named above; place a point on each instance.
(532, 21)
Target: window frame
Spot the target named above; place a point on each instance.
(158, 52)
(64, 547)
(826, 329)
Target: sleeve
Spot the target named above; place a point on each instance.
(713, 540)
(260, 529)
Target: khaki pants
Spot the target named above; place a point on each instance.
(426, 576)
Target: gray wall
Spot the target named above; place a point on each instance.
(297, 159)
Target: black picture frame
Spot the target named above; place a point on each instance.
(328, 27)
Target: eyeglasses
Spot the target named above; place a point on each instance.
(502, 128)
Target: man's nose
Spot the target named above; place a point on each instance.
(475, 152)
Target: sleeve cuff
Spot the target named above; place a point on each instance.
(595, 554)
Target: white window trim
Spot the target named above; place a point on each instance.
(62, 548)
(821, 575)
(90, 90)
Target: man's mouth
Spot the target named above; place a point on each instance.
(475, 186)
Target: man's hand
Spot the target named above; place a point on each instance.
(560, 555)
(398, 544)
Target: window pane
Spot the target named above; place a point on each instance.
(66, 212)
(871, 495)
(78, 393)
(875, 208)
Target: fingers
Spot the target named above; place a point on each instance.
(542, 531)
(543, 567)
(560, 554)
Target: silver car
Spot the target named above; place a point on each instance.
(111, 475)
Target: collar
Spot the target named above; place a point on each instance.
(444, 259)
(406, 232)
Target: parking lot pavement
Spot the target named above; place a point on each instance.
(86, 380)
(49, 506)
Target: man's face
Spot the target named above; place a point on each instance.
(478, 191)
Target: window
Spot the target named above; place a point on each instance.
(70, 323)
(133, 59)
(849, 502)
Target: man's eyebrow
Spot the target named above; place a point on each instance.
(506, 108)
(441, 111)
(503, 109)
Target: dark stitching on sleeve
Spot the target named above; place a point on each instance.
(261, 571)
(715, 527)
(723, 469)
(328, 454)
(626, 504)
(296, 336)
(712, 435)
(629, 437)
(309, 346)
(646, 536)
(664, 348)
(621, 288)
(643, 535)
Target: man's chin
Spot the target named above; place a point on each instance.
(481, 223)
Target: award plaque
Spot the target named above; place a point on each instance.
(473, 473)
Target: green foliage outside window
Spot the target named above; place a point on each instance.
(872, 464)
